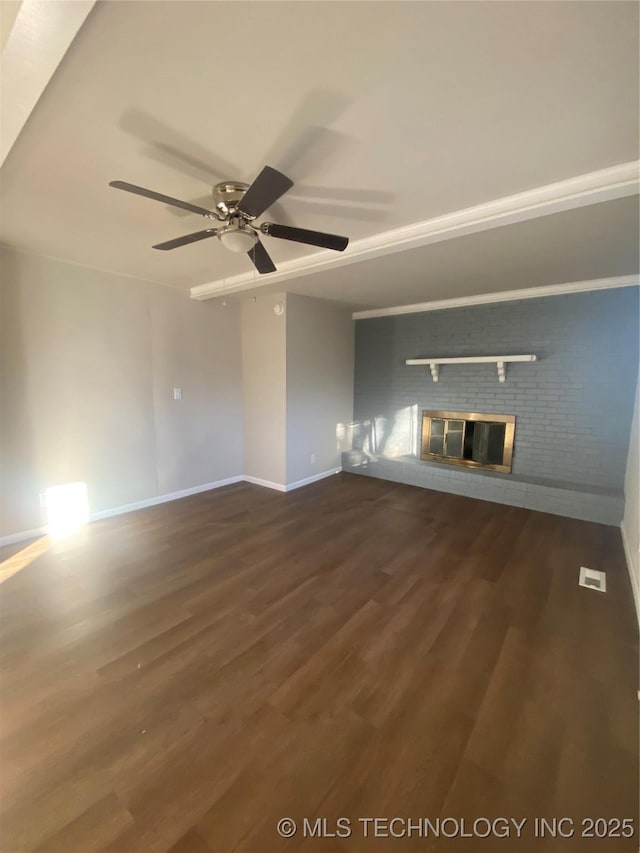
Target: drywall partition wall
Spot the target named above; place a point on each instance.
(573, 406)
(320, 352)
(264, 367)
(631, 521)
(198, 438)
(89, 363)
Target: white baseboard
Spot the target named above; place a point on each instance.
(162, 499)
(313, 479)
(633, 570)
(174, 496)
(22, 535)
(120, 510)
(289, 487)
(268, 484)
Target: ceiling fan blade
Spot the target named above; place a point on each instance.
(302, 235)
(264, 191)
(165, 199)
(188, 238)
(260, 259)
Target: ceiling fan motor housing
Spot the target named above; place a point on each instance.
(227, 196)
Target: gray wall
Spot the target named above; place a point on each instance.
(89, 362)
(264, 372)
(573, 407)
(320, 356)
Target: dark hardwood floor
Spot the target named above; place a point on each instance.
(181, 678)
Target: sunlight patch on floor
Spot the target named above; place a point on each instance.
(14, 564)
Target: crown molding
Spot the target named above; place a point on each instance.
(9, 247)
(594, 187)
(503, 296)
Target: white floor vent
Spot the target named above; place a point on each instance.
(593, 579)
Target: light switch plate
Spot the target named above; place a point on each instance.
(177, 393)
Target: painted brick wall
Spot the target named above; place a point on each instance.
(573, 406)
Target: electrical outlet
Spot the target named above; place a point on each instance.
(313, 459)
(177, 393)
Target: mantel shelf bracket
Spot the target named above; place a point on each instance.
(500, 362)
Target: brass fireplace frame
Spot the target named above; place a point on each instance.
(507, 455)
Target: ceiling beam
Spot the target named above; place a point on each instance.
(592, 188)
(40, 36)
(503, 296)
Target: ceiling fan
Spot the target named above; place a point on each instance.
(237, 205)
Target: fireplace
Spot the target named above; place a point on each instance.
(468, 438)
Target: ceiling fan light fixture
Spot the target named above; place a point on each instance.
(237, 240)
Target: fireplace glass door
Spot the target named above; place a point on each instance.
(446, 437)
(468, 438)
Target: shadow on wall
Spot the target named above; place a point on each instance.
(398, 435)
(380, 429)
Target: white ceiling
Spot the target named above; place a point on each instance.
(383, 113)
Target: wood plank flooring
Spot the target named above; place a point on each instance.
(181, 678)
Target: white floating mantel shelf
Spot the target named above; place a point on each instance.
(499, 360)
